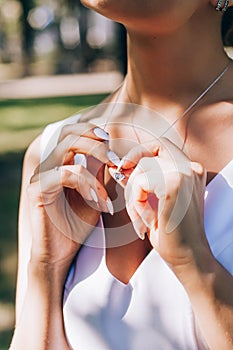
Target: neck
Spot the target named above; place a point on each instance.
(170, 70)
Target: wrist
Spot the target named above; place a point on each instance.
(48, 277)
(198, 272)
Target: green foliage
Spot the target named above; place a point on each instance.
(22, 120)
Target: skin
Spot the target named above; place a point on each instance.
(45, 253)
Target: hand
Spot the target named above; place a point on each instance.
(164, 193)
(66, 199)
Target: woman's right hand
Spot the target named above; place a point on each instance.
(66, 199)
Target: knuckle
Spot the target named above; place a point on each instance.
(87, 128)
(100, 149)
(76, 129)
(70, 139)
(65, 176)
(66, 130)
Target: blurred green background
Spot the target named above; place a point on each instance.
(57, 37)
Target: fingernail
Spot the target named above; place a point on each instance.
(80, 159)
(142, 235)
(94, 195)
(109, 206)
(102, 134)
(113, 157)
(121, 164)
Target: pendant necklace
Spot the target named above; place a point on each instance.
(118, 175)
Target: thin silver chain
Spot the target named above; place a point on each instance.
(195, 102)
(187, 110)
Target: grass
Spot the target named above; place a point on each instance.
(20, 122)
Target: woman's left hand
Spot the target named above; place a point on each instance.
(164, 198)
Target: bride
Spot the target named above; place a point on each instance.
(126, 221)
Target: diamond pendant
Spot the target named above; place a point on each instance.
(118, 176)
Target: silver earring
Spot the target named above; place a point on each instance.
(226, 5)
(222, 7)
(219, 5)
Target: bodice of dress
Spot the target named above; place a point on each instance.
(152, 311)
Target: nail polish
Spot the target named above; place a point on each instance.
(94, 195)
(80, 159)
(121, 164)
(113, 157)
(102, 134)
(142, 236)
(109, 206)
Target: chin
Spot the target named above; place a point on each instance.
(96, 5)
(107, 8)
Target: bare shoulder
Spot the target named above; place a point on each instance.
(31, 159)
(210, 129)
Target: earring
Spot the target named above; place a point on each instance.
(226, 5)
(222, 7)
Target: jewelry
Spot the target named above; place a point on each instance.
(214, 82)
(193, 104)
(118, 175)
(226, 5)
(222, 7)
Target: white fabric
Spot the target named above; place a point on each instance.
(151, 312)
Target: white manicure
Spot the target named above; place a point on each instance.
(120, 164)
(139, 234)
(80, 159)
(94, 195)
(109, 206)
(142, 236)
(113, 157)
(102, 134)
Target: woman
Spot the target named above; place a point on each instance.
(159, 275)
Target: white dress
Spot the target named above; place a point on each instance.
(152, 311)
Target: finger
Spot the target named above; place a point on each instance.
(153, 174)
(139, 207)
(84, 129)
(87, 130)
(71, 145)
(162, 147)
(147, 212)
(198, 168)
(75, 177)
(138, 224)
(131, 159)
(170, 150)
